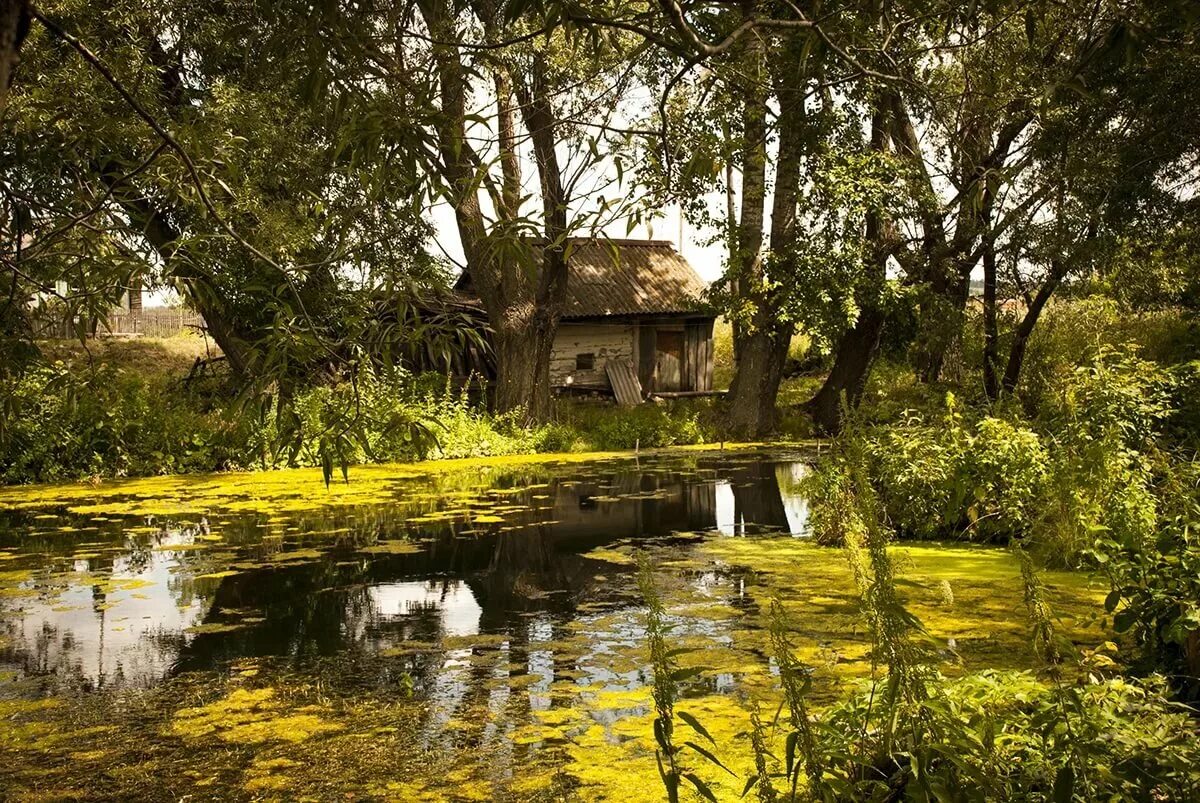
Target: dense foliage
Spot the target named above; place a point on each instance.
(75, 419)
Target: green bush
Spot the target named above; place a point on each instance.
(646, 426)
(1156, 581)
(1103, 426)
(1086, 468)
(1182, 425)
(63, 423)
(1009, 736)
(951, 478)
(393, 416)
(1075, 332)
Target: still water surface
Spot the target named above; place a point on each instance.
(96, 601)
(478, 627)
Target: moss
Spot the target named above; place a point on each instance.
(477, 641)
(214, 627)
(610, 556)
(393, 548)
(217, 575)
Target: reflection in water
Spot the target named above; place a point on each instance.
(795, 506)
(453, 604)
(109, 602)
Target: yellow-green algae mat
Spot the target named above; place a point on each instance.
(554, 709)
(295, 490)
(260, 733)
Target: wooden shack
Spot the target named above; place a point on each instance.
(636, 301)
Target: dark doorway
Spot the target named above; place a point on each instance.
(669, 361)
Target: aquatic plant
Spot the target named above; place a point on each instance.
(761, 780)
(665, 691)
(802, 751)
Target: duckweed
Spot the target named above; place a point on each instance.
(434, 633)
(250, 717)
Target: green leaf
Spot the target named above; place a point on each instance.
(680, 675)
(695, 725)
(709, 756)
(1124, 620)
(1064, 784)
(660, 735)
(701, 786)
(790, 751)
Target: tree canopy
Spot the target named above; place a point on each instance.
(277, 164)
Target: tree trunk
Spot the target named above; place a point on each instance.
(991, 332)
(163, 236)
(759, 371)
(761, 348)
(859, 346)
(523, 312)
(522, 346)
(1016, 352)
(746, 260)
(14, 25)
(847, 379)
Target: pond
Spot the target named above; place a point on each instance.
(468, 630)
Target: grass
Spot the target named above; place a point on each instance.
(171, 357)
(723, 366)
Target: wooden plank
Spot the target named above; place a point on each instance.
(706, 367)
(647, 338)
(686, 394)
(624, 382)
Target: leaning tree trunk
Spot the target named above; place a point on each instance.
(1020, 340)
(857, 349)
(843, 388)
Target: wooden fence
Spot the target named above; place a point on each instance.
(153, 322)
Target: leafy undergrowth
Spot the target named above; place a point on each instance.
(127, 408)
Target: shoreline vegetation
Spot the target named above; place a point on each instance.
(130, 407)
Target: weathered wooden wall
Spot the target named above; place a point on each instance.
(604, 341)
(698, 355)
(639, 343)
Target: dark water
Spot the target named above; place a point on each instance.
(94, 601)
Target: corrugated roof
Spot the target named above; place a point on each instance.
(628, 277)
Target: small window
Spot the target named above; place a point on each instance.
(585, 362)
